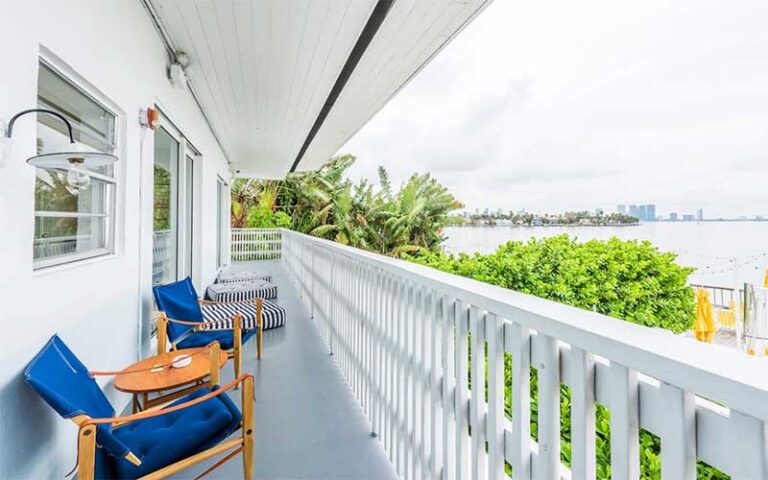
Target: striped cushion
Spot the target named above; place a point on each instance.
(230, 277)
(240, 291)
(220, 315)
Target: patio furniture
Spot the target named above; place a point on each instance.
(149, 376)
(220, 315)
(157, 442)
(228, 276)
(182, 322)
(240, 291)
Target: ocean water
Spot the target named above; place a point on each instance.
(724, 253)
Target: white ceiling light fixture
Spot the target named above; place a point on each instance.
(74, 159)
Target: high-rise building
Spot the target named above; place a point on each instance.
(687, 217)
(634, 212)
(642, 213)
(650, 213)
(622, 209)
(673, 216)
(700, 214)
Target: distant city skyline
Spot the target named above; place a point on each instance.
(645, 213)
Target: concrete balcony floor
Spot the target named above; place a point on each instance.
(308, 424)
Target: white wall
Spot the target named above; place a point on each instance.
(93, 305)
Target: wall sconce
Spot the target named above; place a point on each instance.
(74, 160)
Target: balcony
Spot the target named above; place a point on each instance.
(408, 340)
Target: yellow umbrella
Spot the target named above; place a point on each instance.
(704, 327)
(765, 280)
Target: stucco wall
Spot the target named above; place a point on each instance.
(94, 305)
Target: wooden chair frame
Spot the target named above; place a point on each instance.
(86, 446)
(237, 324)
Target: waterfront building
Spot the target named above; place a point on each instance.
(634, 211)
(700, 214)
(688, 217)
(622, 209)
(673, 216)
(650, 213)
(642, 213)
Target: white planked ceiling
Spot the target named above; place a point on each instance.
(263, 69)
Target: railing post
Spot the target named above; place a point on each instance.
(583, 462)
(625, 420)
(678, 443)
(548, 460)
(477, 398)
(449, 388)
(521, 403)
(494, 332)
(461, 410)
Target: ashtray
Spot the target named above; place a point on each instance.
(182, 361)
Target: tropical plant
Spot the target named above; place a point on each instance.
(326, 204)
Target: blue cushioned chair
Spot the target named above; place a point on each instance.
(159, 442)
(181, 321)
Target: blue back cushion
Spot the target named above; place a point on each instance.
(62, 380)
(179, 301)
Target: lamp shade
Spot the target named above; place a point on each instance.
(63, 160)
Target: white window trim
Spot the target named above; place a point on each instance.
(50, 60)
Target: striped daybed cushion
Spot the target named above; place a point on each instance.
(230, 277)
(240, 291)
(219, 315)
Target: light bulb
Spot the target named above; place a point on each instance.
(77, 175)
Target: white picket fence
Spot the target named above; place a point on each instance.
(255, 244)
(403, 336)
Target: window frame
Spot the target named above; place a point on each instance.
(113, 182)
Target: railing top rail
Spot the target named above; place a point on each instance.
(717, 373)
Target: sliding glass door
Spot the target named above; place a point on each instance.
(173, 245)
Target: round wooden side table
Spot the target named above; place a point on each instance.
(148, 376)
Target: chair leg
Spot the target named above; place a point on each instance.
(86, 453)
(238, 343)
(162, 333)
(248, 434)
(260, 326)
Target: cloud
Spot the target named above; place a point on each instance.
(564, 105)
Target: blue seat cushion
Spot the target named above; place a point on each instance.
(226, 338)
(166, 439)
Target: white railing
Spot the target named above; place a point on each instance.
(403, 335)
(255, 244)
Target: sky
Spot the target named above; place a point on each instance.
(555, 105)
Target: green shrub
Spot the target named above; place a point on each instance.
(627, 279)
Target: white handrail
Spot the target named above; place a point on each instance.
(377, 310)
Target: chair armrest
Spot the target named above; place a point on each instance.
(185, 322)
(156, 413)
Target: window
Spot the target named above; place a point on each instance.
(72, 225)
(172, 249)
